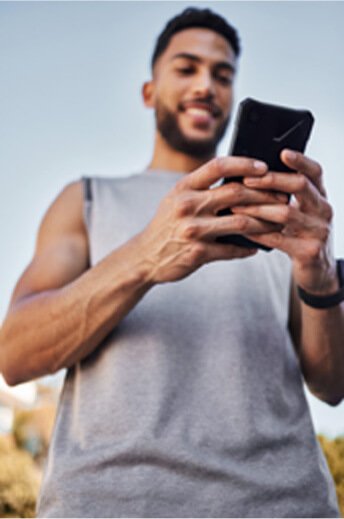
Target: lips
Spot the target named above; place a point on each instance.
(201, 109)
(200, 112)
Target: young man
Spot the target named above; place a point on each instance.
(184, 395)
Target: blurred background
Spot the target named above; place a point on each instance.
(70, 104)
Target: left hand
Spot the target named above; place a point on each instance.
(306, 221)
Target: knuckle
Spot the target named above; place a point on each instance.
(183, 206)
(197, 254)
(217, 165)
(302, 183)
(328, 212)
(190, 230)
(287, 213)
(317, 170)
(180, 186)
(314, 249)
(236, 190)
(241, 222)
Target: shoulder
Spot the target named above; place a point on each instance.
(66, 210)
(61, 252)
(63, 218)
(70, 196)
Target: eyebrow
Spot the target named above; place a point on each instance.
(197, 59)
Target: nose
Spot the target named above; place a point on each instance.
(203, 86)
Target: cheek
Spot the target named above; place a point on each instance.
(226, 100)
(171, 93)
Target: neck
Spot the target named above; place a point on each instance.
(166, 158)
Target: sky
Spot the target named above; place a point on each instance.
(70, 103)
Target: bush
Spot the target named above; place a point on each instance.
(19, 481)
(334, 453)
(20, 476)
(32, 430)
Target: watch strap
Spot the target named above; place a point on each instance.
(327, 301)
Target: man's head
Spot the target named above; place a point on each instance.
(193, 67)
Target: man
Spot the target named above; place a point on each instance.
(183, 396)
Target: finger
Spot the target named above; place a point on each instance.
(310, 168)
(221, 167)
(236, 193)
(290, 217)
(297, 184)
(210, 228)
(217, 251)
(302, 249)
(286, 182)
(292, 183)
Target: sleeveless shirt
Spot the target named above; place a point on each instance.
(194, 405)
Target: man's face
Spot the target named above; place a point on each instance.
(193, 91)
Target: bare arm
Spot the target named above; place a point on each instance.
(319, 339)
(306, 238)
(61, 310)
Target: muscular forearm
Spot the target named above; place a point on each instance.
(306, 238)
(322, 351)
(55, 329)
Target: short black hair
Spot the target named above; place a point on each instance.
(194, 17)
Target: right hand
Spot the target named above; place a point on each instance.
(181, 236)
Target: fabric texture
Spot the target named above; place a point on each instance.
(194, 405)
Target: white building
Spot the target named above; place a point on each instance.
(22, 396)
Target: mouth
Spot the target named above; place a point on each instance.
(201, 112)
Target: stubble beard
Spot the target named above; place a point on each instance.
(167, 124)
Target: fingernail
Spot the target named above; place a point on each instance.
(249, 181)
(291, 155)
(259, 166)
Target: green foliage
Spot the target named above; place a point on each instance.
(334, 453)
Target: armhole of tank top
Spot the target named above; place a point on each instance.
(87, 189)
(88, 199)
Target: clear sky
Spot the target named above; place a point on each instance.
(70, 102)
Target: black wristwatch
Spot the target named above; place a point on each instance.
(330, 300)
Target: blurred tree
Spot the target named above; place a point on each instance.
(334, 453)
(32, 430)
(20, 475)
(19, 481)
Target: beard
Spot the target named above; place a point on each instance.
(167, 124)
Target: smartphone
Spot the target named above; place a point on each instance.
(261, 132)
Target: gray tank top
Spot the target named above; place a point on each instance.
(194, 405)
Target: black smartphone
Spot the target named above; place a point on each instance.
(262, 131)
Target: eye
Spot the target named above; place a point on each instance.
(186, 70)
(224, 80)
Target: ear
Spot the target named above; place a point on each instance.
(148, 94)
